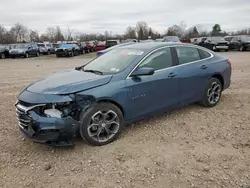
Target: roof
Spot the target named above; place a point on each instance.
(151, 45)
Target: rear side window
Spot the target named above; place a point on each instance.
(204, 54)
(187, 54)
(158, 60)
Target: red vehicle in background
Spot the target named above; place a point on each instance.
(185, 40)
(90, 46)
(100, 46)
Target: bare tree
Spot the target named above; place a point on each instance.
(44, 37)
(20, 32)
(174, 30)
(142, 30)
(130, 32)
(59, 35)
(34, 36)
(51, 34)
(70, 31)
(2, 34)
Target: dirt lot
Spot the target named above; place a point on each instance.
(191, 147)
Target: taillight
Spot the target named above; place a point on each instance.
(229, 62)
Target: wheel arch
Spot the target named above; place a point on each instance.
(219, 77)
(112, 102)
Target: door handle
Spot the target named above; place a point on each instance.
(172, 74)
(204, 67)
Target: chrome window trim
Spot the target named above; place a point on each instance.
(211, 56)
(26, 109)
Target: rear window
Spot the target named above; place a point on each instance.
(111, 43)
(41, 45)
(204, 54)
(187, 54)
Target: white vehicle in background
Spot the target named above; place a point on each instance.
(46, 48)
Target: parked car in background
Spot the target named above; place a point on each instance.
(85, 47)
(185, 40)
(110, 43)
(69, 50)
(79, 45)
(101, 52)
(216, 43)
(125, 85)
(199, 41)
(171, 39)
(90, 46)
(46, 48)
(129, 40)
(241, 43)
(159, 40)
(24, 50)
(228, 38)
(4, 51)
(100, 46)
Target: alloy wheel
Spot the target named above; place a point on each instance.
(214, 93)
(103, 126)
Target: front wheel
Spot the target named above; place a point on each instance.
(2, 56)
(242, 49)
(212, 93)
(101, 124)
(26, 55)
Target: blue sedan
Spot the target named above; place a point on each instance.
(124, 85)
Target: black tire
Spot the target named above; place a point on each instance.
(87, 117)
(72, 53)
(37, 54)
(57, 55)
(226, 50)
(242, 49)
(206, 99)
(26, 55)
(48, 53)
(2, 56)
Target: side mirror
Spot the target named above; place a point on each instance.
(144, 71)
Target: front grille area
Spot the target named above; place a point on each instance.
(60, 50)
(222, 44)
(23, 118)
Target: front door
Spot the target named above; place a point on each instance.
(153, 93)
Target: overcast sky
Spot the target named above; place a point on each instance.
(115, 15)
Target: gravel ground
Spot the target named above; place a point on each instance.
(190, 147)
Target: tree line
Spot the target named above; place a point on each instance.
(141, 31)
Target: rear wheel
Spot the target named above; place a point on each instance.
(26, 55)
(212, 93)
(242, 49)
(2, 55)
(101, 124)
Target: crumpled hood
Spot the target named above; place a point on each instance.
(67, 82)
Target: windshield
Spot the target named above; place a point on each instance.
(246, 38)
(66, 45)
(171, 39)
(41, 45)
(111, 43)
(217, 39)
(113, 61)
(21, 46)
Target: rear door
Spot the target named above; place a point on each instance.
(148, 94)
(193, 72)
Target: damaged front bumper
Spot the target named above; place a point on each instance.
(47, 130)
